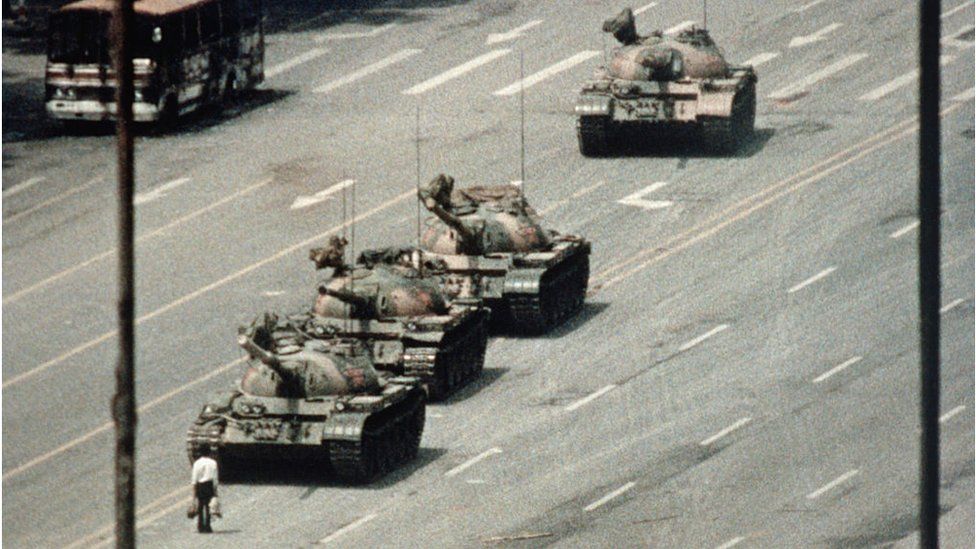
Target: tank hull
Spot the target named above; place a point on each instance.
(722, 109)
(355, 439)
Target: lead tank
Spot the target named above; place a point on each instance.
(307, 401)
(488, 243)
(401, 313)
(666, 81)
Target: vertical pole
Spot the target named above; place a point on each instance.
(123, 403)
(929, 283)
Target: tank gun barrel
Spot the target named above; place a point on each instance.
(357, 301)
(267, 358)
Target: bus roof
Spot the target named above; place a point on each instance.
(142, 7)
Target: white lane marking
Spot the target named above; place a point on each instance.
(822, 274)
(839, 368)
(951, 414)
(367, 70)
(680, 27)
(159, 192)
(353, 35)
(951, 305)
(689, 344)
(899, 82)
(814, 77)
(637, 199)
(761, 58)
(905, 230)
(310, 200)
(455, 72)
(616, 493)
(273, 293)
(588, 190)
(487, 453)
(475, 481)
(22, 186)
(547, 72)
(103, 535)
(346, 529)
(590, 398)
(832, 484)
(737, 425)
(151, 234)
(807, 6)
(954, 41)
(644, 8)
(957, 9)
(736, 541)
(967, 95)
(53, 200)
(275, 70)
(817, 36)
(498, 37)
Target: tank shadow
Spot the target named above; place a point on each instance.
(650, 143)
(587, 313)
(317, 475)
(487, 377)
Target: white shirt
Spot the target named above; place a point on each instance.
(204, 470)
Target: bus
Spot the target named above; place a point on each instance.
(185, 54)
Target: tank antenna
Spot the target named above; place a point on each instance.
(344, 234)
(417, 150)
(522, 116)
(704, 14)
(352, 246)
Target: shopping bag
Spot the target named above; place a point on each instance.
(215, 507)
(191, 510)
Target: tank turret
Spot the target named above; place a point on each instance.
(665, 80)
(530, 276)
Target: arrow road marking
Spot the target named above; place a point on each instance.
(954, 40)
(551, 70)
(495, 38)
(294, 62)
(367, 70)
(457, 71)
(352, 35)
(815, 77)
(815, 37)
(321, 196)
(159, 192)
(899, 82)
(637, 199)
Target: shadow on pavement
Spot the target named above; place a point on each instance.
(683, 144)
(487, 377)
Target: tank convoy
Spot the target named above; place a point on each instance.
(665, 81)
(388, 302)
(311, 401)
(487, 243)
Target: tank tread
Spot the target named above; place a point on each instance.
(593, 133)
(727, 134)
(383, 447)
(561, 294)
(446, 369)
(201, 436)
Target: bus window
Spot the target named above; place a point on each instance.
(191, 30)
(229, 17)
(209, 22)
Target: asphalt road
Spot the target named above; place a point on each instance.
(744, 372)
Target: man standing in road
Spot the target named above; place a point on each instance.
(203, 478)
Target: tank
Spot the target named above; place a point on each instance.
(488, 243)
(669, 82)
(389, 302)
(311, 402)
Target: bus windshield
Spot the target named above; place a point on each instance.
(82, 36)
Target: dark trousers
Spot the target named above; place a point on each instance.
(204, 492)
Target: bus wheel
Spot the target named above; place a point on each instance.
(169, 115)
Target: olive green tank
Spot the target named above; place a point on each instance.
(668, 81)
(488, 243)
(312, 402)
(387, 301)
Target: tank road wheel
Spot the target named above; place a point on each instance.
(726, 135)
(414, 431)
(594, 135)
(354, 461)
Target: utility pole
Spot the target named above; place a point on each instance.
(929, 283)
(123, 403)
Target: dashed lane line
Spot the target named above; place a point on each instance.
(967, 95)
(761, 58)
(473, 461)
(837, 369)
(698, 340)
(311, 54)
(808, 5)
(23, 186)
(547, 72)
(899, 82)
(346, 529)
(680, 27)
(456, 72)
(725, 432)
(905, 230)
(606, 499)
(142, 238)
(103, 535)
(951, 305)
(354, 35)
(644, 8)
(951, 414)
(20, 378)
(53, 200)
(957, 9)
(734, 541)
(590, 398)
(813, 78)
(832, 484)
(158, 192)
(367, 70)
(815, 278)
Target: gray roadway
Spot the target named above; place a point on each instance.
(811, 461)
